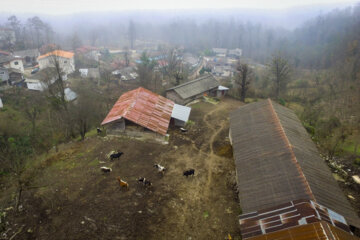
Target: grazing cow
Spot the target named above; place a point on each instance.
(106, 169)
(98, 130)
(122, 183)
(189, 172)
(161, 169)
(116, 155)
(144, 181)
(183, 130)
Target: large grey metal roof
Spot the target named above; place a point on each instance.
(276, 161)
(195, 87)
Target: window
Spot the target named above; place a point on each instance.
(65, 61)
(2, 73)
(16, 63)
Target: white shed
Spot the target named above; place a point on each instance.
(180, 114)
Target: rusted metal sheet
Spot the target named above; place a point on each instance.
(313, 231)
(288, 215)
(143, 107)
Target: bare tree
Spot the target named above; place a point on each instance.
(127, 56)
(280, 70)
(173, 67)
(243, 79)
(132, 34)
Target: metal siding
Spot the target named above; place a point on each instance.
(143, 107)
(277, 162)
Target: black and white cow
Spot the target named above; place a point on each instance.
(106, 169)
(161, 169)
(116, 155)
(144, 181)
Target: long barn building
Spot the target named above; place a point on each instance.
(286, 190)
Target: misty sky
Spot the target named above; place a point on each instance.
(74, 6)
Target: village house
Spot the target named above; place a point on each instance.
(10, 76)
(4, 53)
(43, 79)
(30, 56)
(65, 60)
(191, 60)
(235, 53)
(283, 183)
(189, 91)
(126, 74)
(89, 52)
(142, 113)
(92, 73)
(12, 62)
(220, 52)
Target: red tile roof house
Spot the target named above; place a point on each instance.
(142, 113)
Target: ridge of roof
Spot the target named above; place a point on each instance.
(290, 148)
(195, 80)
(59, 53)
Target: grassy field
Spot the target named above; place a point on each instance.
(68, 196)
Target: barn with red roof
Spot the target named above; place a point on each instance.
(141, 111)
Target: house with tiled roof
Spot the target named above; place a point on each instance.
(141, 112)
(63, 58)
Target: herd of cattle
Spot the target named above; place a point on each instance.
(144, 181)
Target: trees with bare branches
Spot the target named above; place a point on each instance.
(280, 70)
(243, 79)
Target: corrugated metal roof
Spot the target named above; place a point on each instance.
(181, 112)
(222, 88)
(195, 87)
(313, 231)
(291, 214)
(143, 107)
(277, 162)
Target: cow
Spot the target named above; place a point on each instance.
(122, 183)
(106, 169)
(189, 172)
(161, 169)
(183, 130)
(98, 130)
(116, 155)
(144, 181)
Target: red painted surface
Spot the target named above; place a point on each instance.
(143, 107)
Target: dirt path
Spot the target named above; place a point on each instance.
(199, 209)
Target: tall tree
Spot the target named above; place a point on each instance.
(280, 70)
(132, 34)
(243, 79)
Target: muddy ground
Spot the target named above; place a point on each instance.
(68, 197)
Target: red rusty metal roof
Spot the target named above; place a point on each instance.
(287, 215)
(143, 107)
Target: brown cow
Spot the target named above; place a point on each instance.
(123, 183)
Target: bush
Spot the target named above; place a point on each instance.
(282, 102)
(357, 161)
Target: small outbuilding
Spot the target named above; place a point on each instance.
(189, 91)
(140, 113)
(1, 103)
(222, 91)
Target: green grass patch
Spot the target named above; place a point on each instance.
(94, 162)
(349, 147)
